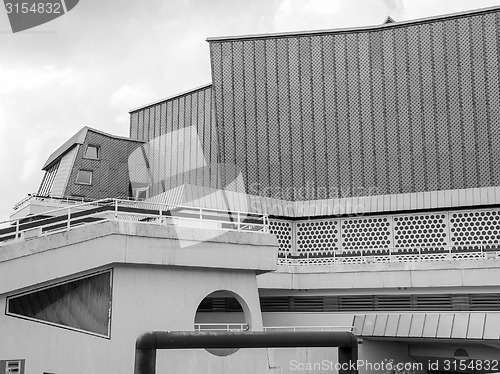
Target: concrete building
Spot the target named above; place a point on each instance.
(326, 180)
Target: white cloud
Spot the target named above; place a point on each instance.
(412, 9)
(28, 79)
(3, 121)
(297, 14)
(33, 147)
(130, 96)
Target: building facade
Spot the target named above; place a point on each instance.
(326, 180)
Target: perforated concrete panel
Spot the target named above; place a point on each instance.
(318, 235)
(283, 232)
(420, 230)
(475, 227)
(366, 233)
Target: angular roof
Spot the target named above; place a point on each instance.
(78, 138)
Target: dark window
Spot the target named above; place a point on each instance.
(13, 367)
(83, 304)
(84, 177)
(92, 152)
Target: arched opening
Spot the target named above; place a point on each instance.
(222, 311)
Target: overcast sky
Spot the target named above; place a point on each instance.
(103, 58)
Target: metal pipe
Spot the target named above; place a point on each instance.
(147, 344)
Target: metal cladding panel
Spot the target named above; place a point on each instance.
(403, 108)
(63, 172)
(48, 180)
(134, 125)
(174, 158)
(110, 176)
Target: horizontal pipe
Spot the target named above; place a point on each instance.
(244, 339)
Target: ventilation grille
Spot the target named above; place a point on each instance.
(357, 303)
(220, 304)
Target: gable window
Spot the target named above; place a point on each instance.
(84, 177)
(92, 152)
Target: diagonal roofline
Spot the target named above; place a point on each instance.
(356, 29)
(199, 88)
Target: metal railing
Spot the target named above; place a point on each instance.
(244, 327)
(67, 218)
(55, 199)
(221, 327)
(309, 328)
(382, 255)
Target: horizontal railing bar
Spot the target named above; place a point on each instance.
(65, 218)
(438, 253)
(307, 327)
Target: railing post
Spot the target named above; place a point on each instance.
(17, 229)
(239, 221)
(69, 219)
(116, 208)
(201, 217)
(161, 218)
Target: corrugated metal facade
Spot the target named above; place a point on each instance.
(175, 129)
(396, 109)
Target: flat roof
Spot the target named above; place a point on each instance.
(355, 29)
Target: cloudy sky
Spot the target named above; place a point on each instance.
(90, 66)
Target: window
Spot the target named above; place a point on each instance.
(12, 367)
(84, 177)
(92, 152)
(141, 193)
(82, 304)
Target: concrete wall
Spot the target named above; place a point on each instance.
(144, 299)
(157, 285)
(425, 275)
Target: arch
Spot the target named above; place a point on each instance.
(225, 293)
(241, 316)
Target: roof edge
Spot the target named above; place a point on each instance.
(78, 138)
(356, 29)
(199, 88)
